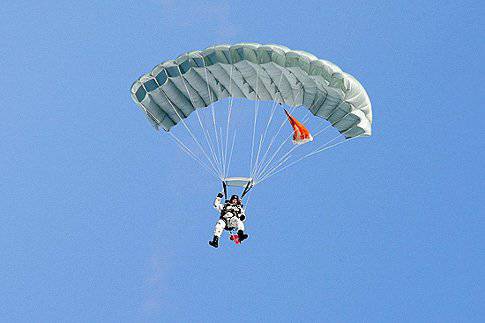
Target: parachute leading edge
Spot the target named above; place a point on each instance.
(301, 135)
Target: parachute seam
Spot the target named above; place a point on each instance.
(174, 107)
(161, 110)
(181, 93)
(158, 106)
(148, 113)
(319, 107)
(242, 77)
(218, 81)
(302, 87)
(290, 87)
(201, 79)
(310, 82)
(249, 64)
(277, 87)
(210, 92)
(200, 98)
(231, 81)
(280, 69)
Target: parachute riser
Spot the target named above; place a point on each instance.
(248, 187)
(224, 187)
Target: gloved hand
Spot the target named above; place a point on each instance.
(242, 217)
(220, 195)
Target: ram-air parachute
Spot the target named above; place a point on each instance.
(201, 99)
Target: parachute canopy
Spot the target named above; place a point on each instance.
(306, 85)
(175, 88)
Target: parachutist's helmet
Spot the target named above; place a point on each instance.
(236, 198)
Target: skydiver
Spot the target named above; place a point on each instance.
(232, 216)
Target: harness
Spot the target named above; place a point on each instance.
(234, 209)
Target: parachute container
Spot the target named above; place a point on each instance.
(301, 135)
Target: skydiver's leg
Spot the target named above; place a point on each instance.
(240, 231)
(220, 225)
(240, 225)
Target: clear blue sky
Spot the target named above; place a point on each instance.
(105, 220)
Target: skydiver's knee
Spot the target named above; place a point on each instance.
(221, 224)
(240, 225)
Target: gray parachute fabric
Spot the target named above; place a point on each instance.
(175, 88)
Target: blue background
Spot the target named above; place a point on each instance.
(105, 220)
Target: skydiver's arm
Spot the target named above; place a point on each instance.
(217, 203)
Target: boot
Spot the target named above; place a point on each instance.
(241, 235)
(214, 242)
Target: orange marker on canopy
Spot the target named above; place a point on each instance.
(301, 135)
